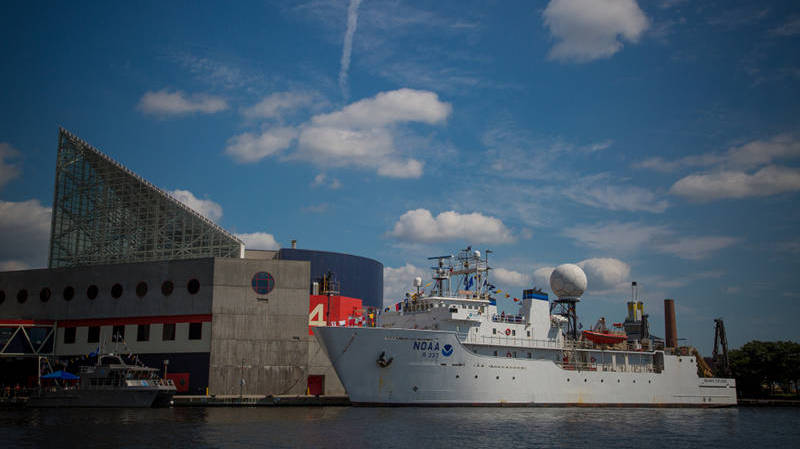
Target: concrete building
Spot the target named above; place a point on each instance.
(133, 270)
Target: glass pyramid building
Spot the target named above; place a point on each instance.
(104, 213)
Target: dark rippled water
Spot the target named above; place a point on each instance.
(408, 428)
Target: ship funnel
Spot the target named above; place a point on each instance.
(670, 326)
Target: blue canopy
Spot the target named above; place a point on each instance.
(63, 375)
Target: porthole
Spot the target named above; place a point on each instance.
(457, 376)
(497, 377)
(44, 294)
(22, 296)
(601, 380)
(193, 286)
(618, 381)
(649, 381)
(141, 289)
(69, 293)
(92, 292)
(567, 379)
(167, 287)
(634, 380)
(585, 380)
(2, 296)
(476, 376)
(116, 291)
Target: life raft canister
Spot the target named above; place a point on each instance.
(508, 331)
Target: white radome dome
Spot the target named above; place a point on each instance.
(568, 281)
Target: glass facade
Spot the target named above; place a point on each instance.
(104, 213)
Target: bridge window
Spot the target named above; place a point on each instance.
(195, 331)
(94, 334)
(168, 332)
(69, 335)
(143, 332)
(118, 333)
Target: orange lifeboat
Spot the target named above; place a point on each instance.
(604, 338)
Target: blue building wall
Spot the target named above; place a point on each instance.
(359, 277)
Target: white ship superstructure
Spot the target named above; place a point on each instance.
(451, 347)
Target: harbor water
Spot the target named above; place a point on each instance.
(344, 427)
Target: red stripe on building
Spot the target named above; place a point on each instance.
(136, 320)
(26, 322)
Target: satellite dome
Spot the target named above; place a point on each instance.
(568, 281)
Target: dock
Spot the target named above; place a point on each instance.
(259, 400)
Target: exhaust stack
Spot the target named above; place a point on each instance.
(670, 326)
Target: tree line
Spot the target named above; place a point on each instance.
(766, 368)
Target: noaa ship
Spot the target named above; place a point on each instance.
(445, 347)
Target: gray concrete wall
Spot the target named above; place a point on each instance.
(266, 333)
(154, 303)
(320, 364)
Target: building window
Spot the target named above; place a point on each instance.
(118, 334)
(116, 291)
(167, 287)
(44, 294)
(22, 296)
(69, 335)
(263, 283)
(193, 286)
(69, 293)
(94, 334)
(168, 333)
(195, 331)
(143, 332)
(92, 292)
(141, 289)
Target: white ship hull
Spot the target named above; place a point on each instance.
(430, 367)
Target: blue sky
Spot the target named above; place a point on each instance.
(652, 141)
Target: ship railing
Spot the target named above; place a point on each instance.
(521, 342)
(604, 367)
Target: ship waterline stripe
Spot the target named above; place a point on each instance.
(165, 319)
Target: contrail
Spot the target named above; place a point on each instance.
(352, 23)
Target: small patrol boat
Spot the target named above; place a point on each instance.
(109, 383)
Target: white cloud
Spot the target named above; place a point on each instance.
(24, 234)
(629, 237)
(504, 276)
(398, 281)
(347, 47)
(605, 273)
(166, 103)
(420, 225)
(8, 171)
(388, 108)
(622, 237)
(695, 248)
(206, 208)
(747, 156)
(770, 180)
(361, 134)
(249, 147)
(586, 30)
(278, 104)
(789, 28)
(259, 240)
(598, 192)
(323, 180)
(541, 277)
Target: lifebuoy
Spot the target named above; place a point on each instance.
(508, 331)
